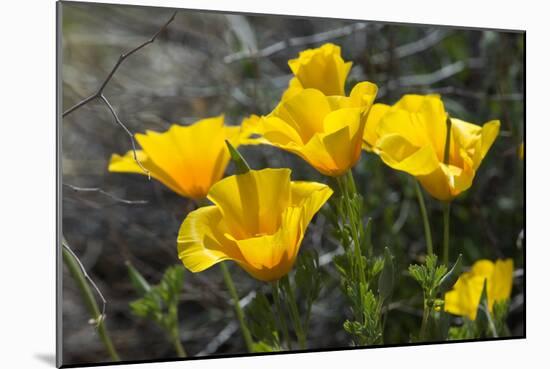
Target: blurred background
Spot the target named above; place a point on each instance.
(209, 63)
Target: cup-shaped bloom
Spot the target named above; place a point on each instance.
(322, 68)
(326, 131)
(258, 220)
(465, 296)
(411, 135)
(187, 159)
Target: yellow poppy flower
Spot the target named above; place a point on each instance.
(410, 136)
(322, 68)
(258, 220)
(465, 296)
(326, 131)
(187, 159)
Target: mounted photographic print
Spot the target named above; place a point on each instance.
(249, 184)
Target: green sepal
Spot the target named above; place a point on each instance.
(481, 316)
(449, 280)
(241, 166)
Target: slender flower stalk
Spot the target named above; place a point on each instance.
(347, 185)
(490, 320)
(294, 314)
(238, 310)
(74, 268)
(446, 204)
(446, 222)
(425, 219)
(261, 231)
(425, 317)
(177, 343)
(280, 313)
(358, 274)
(228, 280)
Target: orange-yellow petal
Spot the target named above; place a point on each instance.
(465, 296)
(310, 196)
(187, 159)
(370, 135)
(269, 257)
(322, 68)
(251, 203)
(411, 136)
(304, 112)
(258, 220)
(127, 164)
(201, 242)
(397, 152)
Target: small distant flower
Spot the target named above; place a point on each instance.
(521, 151)
(326, 131)
(410, 136)
(187, 159)
(258, 220)
(465, 296)
(322, 68)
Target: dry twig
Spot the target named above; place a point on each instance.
(98, 94)
(411, 48)
(108, 194)
(296, 41)
(89, 279)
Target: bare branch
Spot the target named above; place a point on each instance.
(99, 190)
(89, 279)
(222, 337)
(431, 39)
(434, 77)
(402, 218)
(518, 273)
(517, 303)
(451, 90)
(445, 72)
(130, 134)
(121, 59)
(296, 41)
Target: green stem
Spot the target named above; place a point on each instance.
(281, 314)
(74, 268)
(446, 153)
(238, 311)
(177, 343)
(349, 182)
(357, 275)
(294, 312)
(492, 327)
(426, 220)
(446, 221)
(446, 205)
(424, 325)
